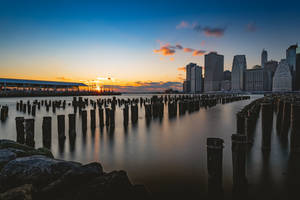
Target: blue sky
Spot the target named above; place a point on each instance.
(84, 40)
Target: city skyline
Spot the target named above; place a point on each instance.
(86, 42)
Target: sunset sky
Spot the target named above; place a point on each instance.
(137, 45)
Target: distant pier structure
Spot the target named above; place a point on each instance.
(23, 87)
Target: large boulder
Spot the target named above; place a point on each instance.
(6, 156)
(37, 170)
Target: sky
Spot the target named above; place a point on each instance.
(137, 45)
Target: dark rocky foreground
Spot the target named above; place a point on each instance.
(27, 173)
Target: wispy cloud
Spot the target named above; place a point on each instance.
(170, 50)
(188, 49)
(251, 27)
(181, 68)
(165, 51)
(199, 53)
(182, 24)
(211, 31)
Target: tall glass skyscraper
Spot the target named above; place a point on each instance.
(239, 66)
(264, 58)
(214, 68)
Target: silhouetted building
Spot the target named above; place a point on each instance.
(193, 82)
(186, 86)
(239, 66)
(264, 58)
(227, 75)
(214, 67)
(291, 60)
(257, 80)
(282, 81)
(271, 67)
(226, 85)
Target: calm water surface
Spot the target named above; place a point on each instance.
(169, 156)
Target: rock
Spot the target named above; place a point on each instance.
(4, 144)
(71, 180)
(113, 185)
(24, 150)
(23, 192)
(6, 156)
(37, 170)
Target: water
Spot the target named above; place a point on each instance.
(169, 156)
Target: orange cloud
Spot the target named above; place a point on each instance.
(181, 68)
(198, 53)
(165, 51)
(188, 49)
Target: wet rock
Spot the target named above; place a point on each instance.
(23, 192)
(71, 180)
(24, 150)
(6, 156)
(37, 170)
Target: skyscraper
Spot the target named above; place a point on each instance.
(239, 66)
(282, 81)
(291, 57)
(193, 82)
(291, 60)
(264, 58)
(214, 67)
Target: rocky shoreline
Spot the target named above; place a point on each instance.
(28, 174)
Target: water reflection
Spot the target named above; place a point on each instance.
(168, 154)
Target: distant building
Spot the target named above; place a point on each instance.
(271, 67)
(257, 80)
(297, 70)
(291, 57)
(291, 60)
(214, 67)
(239, 66)
(282, 81)
(193, 82)
(264, 58)
(227, 75)
(226, 85)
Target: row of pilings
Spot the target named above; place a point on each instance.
(154, 108)
(286, 108)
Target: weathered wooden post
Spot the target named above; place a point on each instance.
(93, 118)
(112, 118)
(61, 127)
(33, 110)
(125, 115)
(101, 121)
(267, 125)
(107, 115)
(84, 120)
(286, 120)
(20, 130)
(214, 166)
(279, 115)
(29, 132)
(239, 150)
(72, 126)
(46, 128)
(240, 123)
(295, 128)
